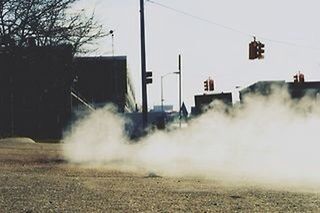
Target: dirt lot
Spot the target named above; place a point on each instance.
(35, 178)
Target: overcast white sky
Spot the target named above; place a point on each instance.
(208, 50)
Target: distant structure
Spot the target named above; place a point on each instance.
(202, 102)
(263, 88)
(35, 89)
(134, 125)
(164, 108)
(158, 118)
(297, 89)
(102, 80)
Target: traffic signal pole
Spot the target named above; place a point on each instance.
(143, 67)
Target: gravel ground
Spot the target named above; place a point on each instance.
(35, 178)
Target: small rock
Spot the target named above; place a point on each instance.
(153, 175)
(235, 196)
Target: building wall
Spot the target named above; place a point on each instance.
(263, 88)
(296, 90)
(202, 101)
(36, 84)
(102, 80)
(302, 89)
(35, 91)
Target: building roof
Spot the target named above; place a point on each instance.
(100, 58)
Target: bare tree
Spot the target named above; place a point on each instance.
(46, 23)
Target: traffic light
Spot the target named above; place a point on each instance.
(148, 77)
(211, 85)
(206, 86)
(260, 50)
(253, 52)
(301, 77)
(256, 50)
(298, 78)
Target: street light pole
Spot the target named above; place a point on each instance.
(162, 77)
(162, 93)
(180, 89)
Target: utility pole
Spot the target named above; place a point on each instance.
(143, 68)
(179, 66)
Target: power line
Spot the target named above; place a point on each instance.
(199, 18)
(228, 27)
(289, 43)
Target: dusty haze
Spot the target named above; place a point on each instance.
(267, 139)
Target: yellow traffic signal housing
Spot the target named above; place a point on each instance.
(256, 50)
(253, 52)
(211, 85)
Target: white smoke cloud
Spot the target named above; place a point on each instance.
(268, 139)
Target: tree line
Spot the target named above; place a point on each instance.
(47, 23)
